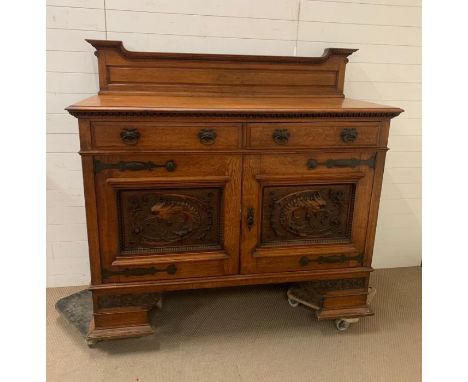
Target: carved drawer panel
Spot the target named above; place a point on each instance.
(312, 134)
(295, 215)
(139, 135)
(170, 220)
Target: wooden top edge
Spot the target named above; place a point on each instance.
(224, 106)
(118, 46)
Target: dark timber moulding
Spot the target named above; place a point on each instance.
(119, 47)
(222, 114)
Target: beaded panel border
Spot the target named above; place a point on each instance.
(153, 113)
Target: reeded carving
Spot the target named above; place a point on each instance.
(354, 283)
(147, 300)
(310, 289)
(224, 114)
(170, 220)
(305, 213)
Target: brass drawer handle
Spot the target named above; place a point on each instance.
(130, 136)
(349, 135)
(281, 136)
(340, 163)
(207, 136)
(99, 166)
(170, 270)
(304, 260)
(250, 218)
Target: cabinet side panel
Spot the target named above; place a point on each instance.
(91, 219)
(375, 198)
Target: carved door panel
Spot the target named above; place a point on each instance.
(161, 223)
(305, 211)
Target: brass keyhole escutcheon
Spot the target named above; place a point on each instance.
(250, 218)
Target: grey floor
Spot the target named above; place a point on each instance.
(250, 334)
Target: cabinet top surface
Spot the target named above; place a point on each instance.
(155, 103)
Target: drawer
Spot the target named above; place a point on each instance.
(165, 135)
(312, 134)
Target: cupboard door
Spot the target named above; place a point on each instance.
(177, 221)
(305, 211)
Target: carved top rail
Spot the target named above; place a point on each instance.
(123, 71)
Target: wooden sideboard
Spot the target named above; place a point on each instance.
(205, 171)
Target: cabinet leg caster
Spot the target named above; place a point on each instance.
(159, 304)
(91, 342)
(343, 324)
(293, 302)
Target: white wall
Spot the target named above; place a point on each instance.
(387, 69)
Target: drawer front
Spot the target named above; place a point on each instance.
(312, 134)
(159, 223)
(136, 136)
(305, 211)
